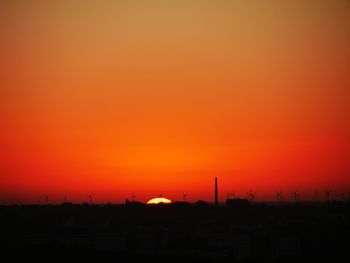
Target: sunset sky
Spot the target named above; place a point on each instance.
(117, 98)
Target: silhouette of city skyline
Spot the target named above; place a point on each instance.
(319, 197)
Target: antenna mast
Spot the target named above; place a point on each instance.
(216, 192)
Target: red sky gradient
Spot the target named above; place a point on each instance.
(159, 97)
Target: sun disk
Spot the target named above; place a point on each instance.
(159, 200)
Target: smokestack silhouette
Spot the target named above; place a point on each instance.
(216, 192)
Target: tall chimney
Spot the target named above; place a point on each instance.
(216, 192)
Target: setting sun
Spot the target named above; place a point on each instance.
(159, 200)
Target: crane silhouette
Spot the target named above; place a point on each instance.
(279, 196)
(250, 196)
(296, 196)
(328, 195)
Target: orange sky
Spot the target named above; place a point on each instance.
(159, 97)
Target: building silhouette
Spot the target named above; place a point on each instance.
(216, 198)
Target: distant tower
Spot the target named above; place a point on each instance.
(46, 199)
(184, 197)
(90, 198)
(216, 192)
(328, 196)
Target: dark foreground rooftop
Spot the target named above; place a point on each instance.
(178, 232)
